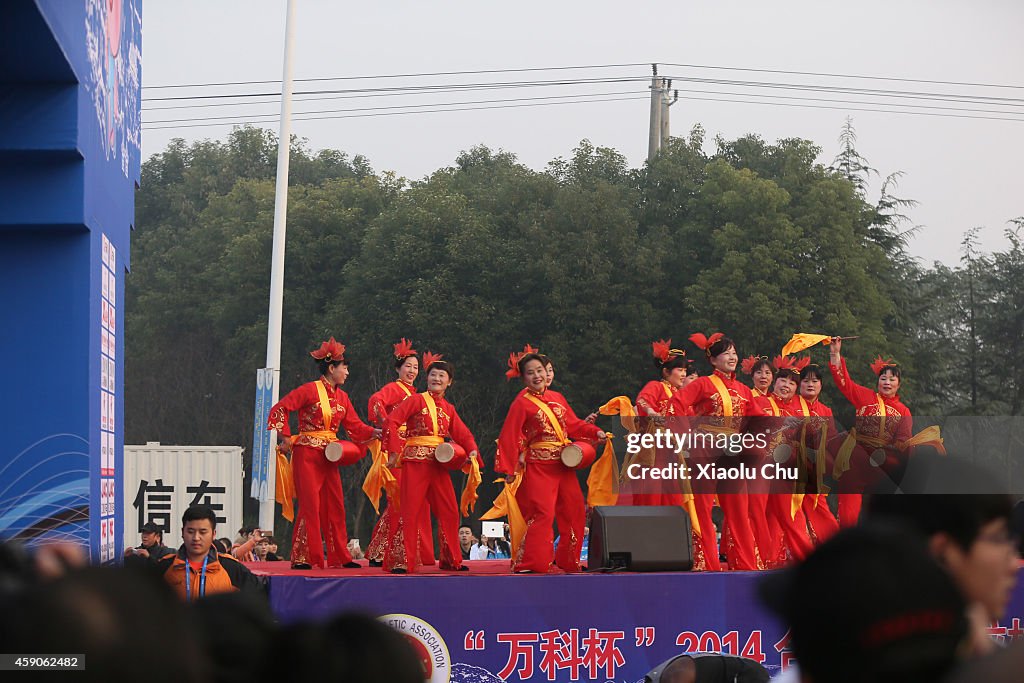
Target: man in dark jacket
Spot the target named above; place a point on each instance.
(150, 550)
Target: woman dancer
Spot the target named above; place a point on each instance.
(429, 419)
(323, 408)
(721, 405)
(407, 366)
(881, 425)
(540, 424)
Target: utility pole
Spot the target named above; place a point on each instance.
(274, 319)
(654, 136)
(666, 102)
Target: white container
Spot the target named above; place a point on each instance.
(174, 478)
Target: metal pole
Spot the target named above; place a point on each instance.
(654, 136)
(277, 255)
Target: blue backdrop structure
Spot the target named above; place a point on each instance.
(70, 107)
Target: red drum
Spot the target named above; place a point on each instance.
(344, 452)
(451, 455)
(578, 454)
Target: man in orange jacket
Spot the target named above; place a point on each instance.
(197, 569)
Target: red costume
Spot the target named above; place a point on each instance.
(710, 407)
(881, 426)
(380, 406)
(655, 399)
(549, 491)
(424, 480)
(820, 426)
(317, 483)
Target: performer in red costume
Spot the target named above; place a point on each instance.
(881, 426)
(721, 404)
(761, 374)
(317, 482)
(540, 422)
(429, 419)
(407, 366)
(653, 406)
(784, 511)
(820, 426)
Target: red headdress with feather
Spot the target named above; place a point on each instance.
(878, 365)
(403, 349)
(749, 362)
(513, 361)
(330, 351)
(663, 351)
(429, 358)
(706, 342)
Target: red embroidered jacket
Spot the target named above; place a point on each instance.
(526, 423)
(306, 400)
(703, 398)
(898, 419)
(413, 413)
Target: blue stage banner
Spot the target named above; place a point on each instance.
(261, 449)
(595, 627)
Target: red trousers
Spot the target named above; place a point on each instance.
(819, 517)
(550, 494)
(849, 509)
(321, 515)
(381, 540)
(740, 550)
(425, 482)
(793, 526)
(767, 541)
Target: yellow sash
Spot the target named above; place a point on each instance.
(325, 406)
(668, 392)
(432, 409)
(724, 393)
(548, 413)
(881, 416)
(426, 440)
(406, 389)
(804, 408)
(776, 412)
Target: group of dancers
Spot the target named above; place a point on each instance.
(417, 439)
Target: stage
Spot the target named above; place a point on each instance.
(488, 626)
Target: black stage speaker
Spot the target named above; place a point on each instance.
(640, 538)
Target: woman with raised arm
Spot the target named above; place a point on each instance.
(721, 405)
(540, 424)
(323, 409)
(881, 426)
(430, 419)
(407, 367)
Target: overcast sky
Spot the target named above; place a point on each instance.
(964, 171)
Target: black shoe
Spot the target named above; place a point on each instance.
(375, 563)
(398, 571)
(463, 568)
(352, 565)
(301, 565)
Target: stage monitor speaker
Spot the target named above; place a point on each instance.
(640, 539)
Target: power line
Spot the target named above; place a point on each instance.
(409, 75)
(402, 106)
(400, 113)
(832, 75)
(421, 88)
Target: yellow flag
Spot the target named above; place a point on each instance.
(284, 490)
(801, 340)
(500, 508)
(929, 436)
(469, 496)
(620, 405)
(603, 480)
(516, 523)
